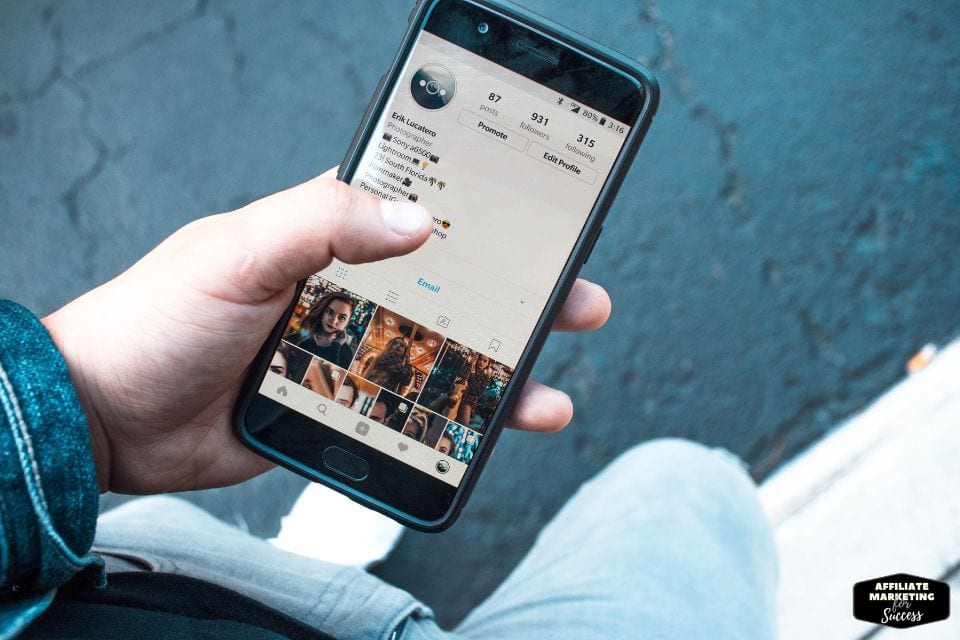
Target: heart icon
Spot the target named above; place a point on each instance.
(403, 446)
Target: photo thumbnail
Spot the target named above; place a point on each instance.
(329, 321)
(465, 386)
(458, 442)
(357, 394)
(323, 378)
(391, 410)
(417, 423)
(290, 362)
(397, 353)
(435, 427)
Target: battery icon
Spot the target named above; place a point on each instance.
(603, 121)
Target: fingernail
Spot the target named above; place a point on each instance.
(404, 218)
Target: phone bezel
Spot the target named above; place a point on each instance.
(402, 492)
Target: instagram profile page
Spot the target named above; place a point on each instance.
(411, 355)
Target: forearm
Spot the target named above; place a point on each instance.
(49, 493)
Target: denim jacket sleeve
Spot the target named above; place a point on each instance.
(48, 489)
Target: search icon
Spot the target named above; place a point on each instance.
(322, 409)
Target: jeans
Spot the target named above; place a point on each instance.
(669, 541)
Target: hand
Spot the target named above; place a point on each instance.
(157, 354)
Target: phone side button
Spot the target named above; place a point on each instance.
(345, 463)
(592, 245)
(363, 125)
(413, 12)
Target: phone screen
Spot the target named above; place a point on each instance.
(411, 356)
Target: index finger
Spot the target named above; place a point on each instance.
(585, 309)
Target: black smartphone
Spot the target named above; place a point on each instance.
(390, 381)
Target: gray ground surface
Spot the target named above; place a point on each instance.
(786, 239)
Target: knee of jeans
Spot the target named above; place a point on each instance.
(706, 489)
(679, 465)
(161, 501)
(158, 509)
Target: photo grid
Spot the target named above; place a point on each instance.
(390, 369)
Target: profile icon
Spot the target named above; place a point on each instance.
(433, 86)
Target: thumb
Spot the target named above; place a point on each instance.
(274, 242)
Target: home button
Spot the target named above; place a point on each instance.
(345, 463)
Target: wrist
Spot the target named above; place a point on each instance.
(85, 391)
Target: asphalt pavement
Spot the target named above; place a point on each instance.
(786, 239)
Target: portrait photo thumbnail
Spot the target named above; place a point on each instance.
(391, 410)
(329, 321)
(436, 425)
(397, 353)
(323, 378)
(465, 386)
(416, 424)
(290, 362)
(462, 442)
(357, 394)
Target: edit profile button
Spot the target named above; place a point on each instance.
(425, 284)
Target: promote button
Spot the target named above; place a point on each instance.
(570, 166)
(493, 130)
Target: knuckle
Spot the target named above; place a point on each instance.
(336, 200)
(339, 202)
(194, 226)
(198, 231)
(240, 265)
(247, 267)
(344, 210)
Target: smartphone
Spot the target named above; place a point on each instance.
(390, 381)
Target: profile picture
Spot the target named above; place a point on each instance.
(463, 442)
(329, 321)
(397, 353)
(290, 362)
(433, 86)
(465, 386)
(356, 393)
(323, 378)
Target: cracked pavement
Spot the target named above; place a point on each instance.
(786, 239)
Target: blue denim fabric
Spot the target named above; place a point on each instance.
(664, 543)
(48, 487)
(669, 541)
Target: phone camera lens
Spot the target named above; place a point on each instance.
(483, 27)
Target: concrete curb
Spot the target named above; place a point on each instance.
(880, 495)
